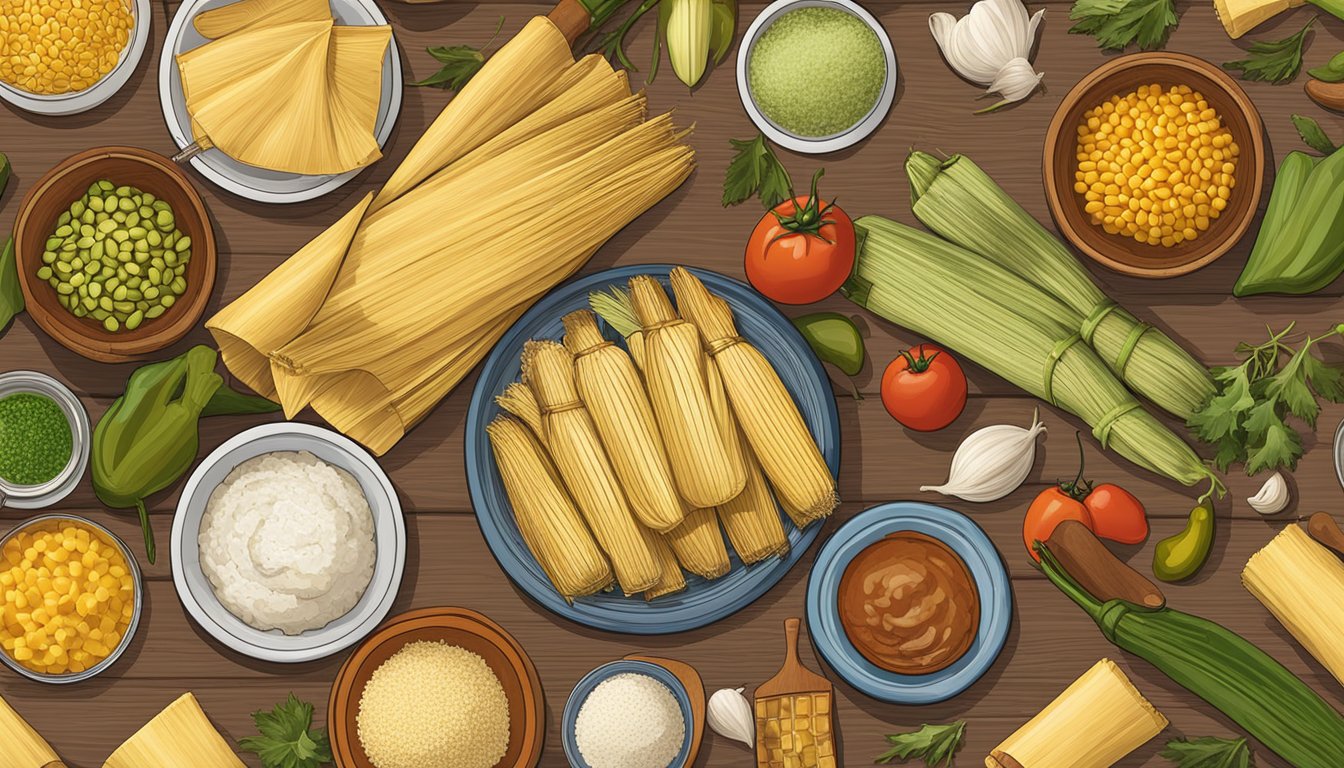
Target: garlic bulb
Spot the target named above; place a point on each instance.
(989, 46)
(991, 462)
(1272, 498)
(729, 715)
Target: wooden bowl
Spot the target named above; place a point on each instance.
(53, 194)
(1118, 77)
(460, 627)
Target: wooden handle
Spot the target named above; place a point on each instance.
(1098, 570)
(571, 18)
(791, 642)
(1000, 759)
(1323, 528)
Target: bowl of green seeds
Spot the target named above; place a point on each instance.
(44, 440)
(116, 253)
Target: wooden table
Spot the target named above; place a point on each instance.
(1051, 641)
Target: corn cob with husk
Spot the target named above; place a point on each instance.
(518, 400)
(20, 745)
(671, 580)
(962, 204)
(765, 410)
(688, 31)
(553, 529)
(995, 318)
(674, 372)
(568, 431)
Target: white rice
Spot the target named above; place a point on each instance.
(630, 721)
(287, 542)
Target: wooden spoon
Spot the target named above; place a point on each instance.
(1328, 95)
(1323, 528)
(1098, 570)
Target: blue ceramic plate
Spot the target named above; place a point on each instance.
(591, 681)
(702, 602)
(960, 534)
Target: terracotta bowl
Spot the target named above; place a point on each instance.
(54, 193)
(1117, 78)
(460, 627)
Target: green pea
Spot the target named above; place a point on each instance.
(64, 218)
(160, 205)
(105, 302)
(123, 306)
(178, 286)
(77, 208)
(55, 242)
(141, 248)
(111, 324)
(44, 273)
(164, 220)
(154, 274)
(104, 185)
(92, 268)
(88, 217)
(95, 290)
(119, 218)
(182, 244)
(77, 279)
(48, 257)
(101, 314)
(64, 231)
(89, 302)
(134, 295)
(63, 267)
(119, 293)
(95, 203)
(152, 292)
(65, 289)
(132, 219)
(78, 311)
(121, 236)
(155, 311)
(167, 300)
(132, 268)
(134, 320)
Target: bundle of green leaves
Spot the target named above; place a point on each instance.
(1118, 23)
(1273, 61)
(1208, 753)
(936, 745)
(287, 738)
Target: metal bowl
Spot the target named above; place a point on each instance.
(136, 610)
(60, 486)
(1339, 453)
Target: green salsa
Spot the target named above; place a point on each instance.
(817, 71)
(35, 439)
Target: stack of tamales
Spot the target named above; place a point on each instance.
(621, 465)
(529, 170)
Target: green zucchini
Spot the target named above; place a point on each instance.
(1300, 248)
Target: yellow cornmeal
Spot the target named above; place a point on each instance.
(1155, 165)
(68, 596)
(49, 47)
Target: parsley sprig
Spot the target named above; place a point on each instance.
(934, 744)
(1208, 753)
(460, 63)
(286, 739)
(1247, 416)
(1273, 61)
(1118, 23)
(754, 170)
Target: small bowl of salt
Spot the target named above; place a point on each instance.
(628, 714)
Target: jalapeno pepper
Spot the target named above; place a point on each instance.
(1181, 556)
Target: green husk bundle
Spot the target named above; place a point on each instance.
(992, 316)
(960, 202)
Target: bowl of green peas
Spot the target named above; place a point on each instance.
(116, 254)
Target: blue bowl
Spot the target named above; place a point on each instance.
(962, 536)
(702, 602)
(591, 681)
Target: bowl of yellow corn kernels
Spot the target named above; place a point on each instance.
(70, 599)
(60, 57)
(1154, 164)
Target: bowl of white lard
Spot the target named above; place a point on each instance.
(288, 544)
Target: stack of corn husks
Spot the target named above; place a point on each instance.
(1000, 289)
(621, 466)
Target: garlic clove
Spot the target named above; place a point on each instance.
(991, 462)
(1273, 496)
(990, 46)
(730, 715)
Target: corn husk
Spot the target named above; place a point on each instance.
(764, 409)
(180, 735)
(20, 745)
(1098, 720)
(518, 401)
(291, 92)
(962, 204)
(705, 471)
(378, 318)
(1301, 582)
(611, 389)
(551, 526)
(671, 580)
(548, 369)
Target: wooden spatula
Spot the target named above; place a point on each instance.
(794, 711)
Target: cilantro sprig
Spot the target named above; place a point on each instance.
(1208, 753)
(754, 170)
(1273, 61)
(287, 740)
(934, 744)
(1118, 23)
(1247, 417)
(460, 63)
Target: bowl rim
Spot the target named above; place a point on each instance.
(816, 145)
(127, 637)
(76, 415)
(603, 672)
(97, 344)
(1058, 135)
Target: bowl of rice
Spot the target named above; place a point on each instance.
(437, 687)
(628, 714)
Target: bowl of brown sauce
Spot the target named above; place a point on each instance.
(909, 603)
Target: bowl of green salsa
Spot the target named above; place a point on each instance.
(816, 76)
(44, 440)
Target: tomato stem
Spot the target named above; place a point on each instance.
(919, 364)
(807, 219)
(1079, 488)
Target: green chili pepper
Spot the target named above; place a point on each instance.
(834, 338)
(1181, 556)
(149, 437)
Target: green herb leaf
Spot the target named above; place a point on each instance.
(1282, 447)
(934, 744)
(1273, 61)
(1332, 72)
(1289, 387)
(1221, 416)
(1118, 23)
(755, 170)
(1313, 136)
(460, 64)
(722, 24)
(1208, 753)
(286, 740)
(11, 295)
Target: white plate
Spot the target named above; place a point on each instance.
(194, 589)
(249, 181)
(99, 92)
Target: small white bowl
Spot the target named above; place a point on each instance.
(60, 486)
(198, 596)
(814, 145)
(82, 101)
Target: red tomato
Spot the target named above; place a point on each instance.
(802, 250)
(924, 388)
(1050, 508)
(1116, 514)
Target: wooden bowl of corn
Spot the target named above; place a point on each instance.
(1154, 164)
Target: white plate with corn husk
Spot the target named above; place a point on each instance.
(703, 601)
(250, 181)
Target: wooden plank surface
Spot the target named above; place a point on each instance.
(1051, 642)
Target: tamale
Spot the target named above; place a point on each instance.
(519, 401)
(569, 433)
(1301, 582)
(552, 528)
(180, 735)
(611, 390)
(671, 580)
(20, 745)
(705, 472)
(765, 410)
(751, 518)
(234, 17)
